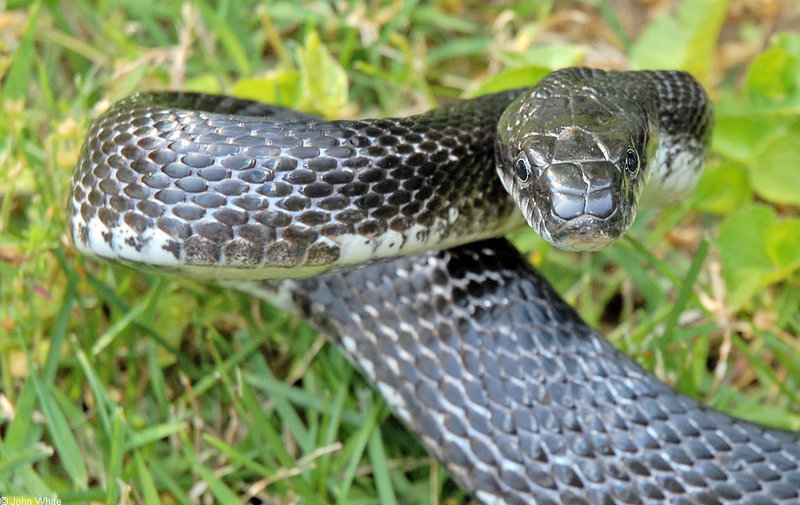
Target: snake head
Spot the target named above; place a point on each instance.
(575, 163)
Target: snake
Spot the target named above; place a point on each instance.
(386, 234)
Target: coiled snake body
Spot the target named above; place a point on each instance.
(500, 379)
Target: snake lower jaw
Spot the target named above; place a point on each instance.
(582, 233)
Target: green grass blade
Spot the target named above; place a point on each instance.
(380, 465)
(148, 486)
(164, 476)
(355, 448)
(96, 384)
(12, 461)
(685, 290)
(151, 434)
(222, 493)
(64, 441)
(115, 459)
(59, 330)
(118, 327)
(19, 73)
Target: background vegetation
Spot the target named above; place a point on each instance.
(121, 386)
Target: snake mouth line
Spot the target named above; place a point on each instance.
(585, 233)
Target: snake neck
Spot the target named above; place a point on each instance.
(216, 187)
(686, 122)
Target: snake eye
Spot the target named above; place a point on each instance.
(632, 163)
(523, 170)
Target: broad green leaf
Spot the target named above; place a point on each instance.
(723, 188)
(552, 56)
(742, 131)
(319, 84)
(756, 250)
(685, 40)
(278, 87)
(740, 242)
(662, 44)
(782, 244)
(775, 172)
(702, 21)
(510, 79)
(773, 78)
(322, 79)
(205, 83)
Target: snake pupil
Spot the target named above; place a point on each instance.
(523, 170)
(631, 162)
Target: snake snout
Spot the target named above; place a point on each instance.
(583, 204)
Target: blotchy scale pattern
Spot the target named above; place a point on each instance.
(525, 403)
(180, 180)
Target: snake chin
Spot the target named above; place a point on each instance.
(583, 233)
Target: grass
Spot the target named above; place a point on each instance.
(123, 386)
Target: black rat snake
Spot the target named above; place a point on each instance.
(500, 379)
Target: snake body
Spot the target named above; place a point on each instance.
(522, 401)
(501, 380)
